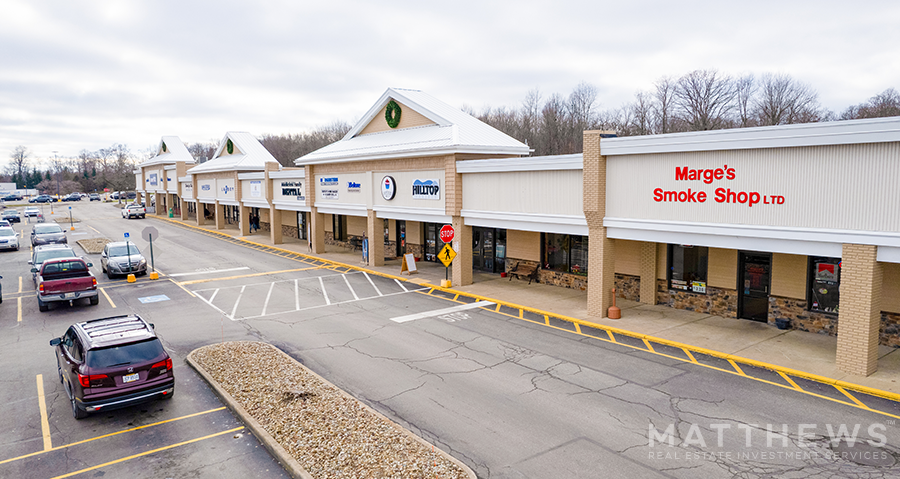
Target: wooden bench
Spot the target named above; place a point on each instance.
(522, 271)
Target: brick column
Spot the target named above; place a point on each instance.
(601, 263)
(244, 220)
(859, 319)
(317, 229)
(184, 210)
(375, 233)
(219, 213)
(648, 273)
(201, 213)
(275, 225)
(462, 244)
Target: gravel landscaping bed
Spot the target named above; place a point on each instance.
(330, 433)
(93, 245)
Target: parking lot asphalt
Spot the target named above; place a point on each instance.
(510, 398)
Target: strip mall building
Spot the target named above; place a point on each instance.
(795, 224)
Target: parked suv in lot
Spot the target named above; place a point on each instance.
(112, 363)
(122, 257)
(47, 233)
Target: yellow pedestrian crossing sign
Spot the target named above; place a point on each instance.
(447, 254)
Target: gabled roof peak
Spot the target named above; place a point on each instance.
(237, 151)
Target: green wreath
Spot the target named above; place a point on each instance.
(164, 147)
(229, 146)
(392, 114)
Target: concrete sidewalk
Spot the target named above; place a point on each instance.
(799, 350)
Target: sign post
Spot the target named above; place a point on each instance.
(131, 278)
(447, 254)
(71, 226)
(148, 234)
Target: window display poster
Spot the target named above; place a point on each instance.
(826, 272)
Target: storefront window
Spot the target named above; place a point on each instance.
(688, 268)
(339, 225)
(825, 284)
(566, 253)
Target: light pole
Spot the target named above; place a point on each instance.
(55, 161)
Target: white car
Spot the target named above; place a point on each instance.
(32, 211)
(9, 239)
(133, 211)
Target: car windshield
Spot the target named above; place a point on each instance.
(44, 229)
(121, 251)
(7, 232)
(10, 212)
(41, 256)
(125, 354)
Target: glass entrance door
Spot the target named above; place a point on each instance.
(753, 294)
(488, 249)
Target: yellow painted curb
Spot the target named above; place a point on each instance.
(609, 329)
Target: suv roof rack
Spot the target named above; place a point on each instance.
(115, 330)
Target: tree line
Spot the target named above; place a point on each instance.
(696, 101)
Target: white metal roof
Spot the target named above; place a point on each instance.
(875, 130)
(175, 151)
(249, 155)
(454, 131)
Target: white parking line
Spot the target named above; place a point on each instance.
(296, 294)
(324, 293)
(268, 297)
(373, 284)
(351, 287)
(236, 302)
(438, 312)
(401, 285)
(213, 297)
(209, 272)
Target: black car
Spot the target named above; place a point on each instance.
(11, 198)
(72, 197)
(112, 363)
(12, 216)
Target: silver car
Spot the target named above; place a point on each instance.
(48, 234)
(9, 238)
(122, 258)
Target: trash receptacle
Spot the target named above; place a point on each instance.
(171, 213)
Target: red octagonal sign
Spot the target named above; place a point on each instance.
(447, 233)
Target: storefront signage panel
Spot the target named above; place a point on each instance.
(289, 190)
(346, 188)
(835, 188)
(206, 189)
(411, 189)
(225, 189)
(187, 190)
(253, 190)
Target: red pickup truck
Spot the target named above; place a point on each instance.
(65, 279)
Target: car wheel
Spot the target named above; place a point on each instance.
(77, 413)
(42, 306)
(95, 300)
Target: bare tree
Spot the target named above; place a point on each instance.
(18, 165)
(705, 99)
(531, 117)
(642, 113)
(783, 100)
(745, 88)
(886, 103)
(663, 104)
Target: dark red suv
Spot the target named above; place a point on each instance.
(112, 363)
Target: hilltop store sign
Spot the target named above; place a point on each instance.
(721, 195)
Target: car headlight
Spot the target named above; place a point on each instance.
(143, 261)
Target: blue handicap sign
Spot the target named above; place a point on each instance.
(126, 235)
(70, 207)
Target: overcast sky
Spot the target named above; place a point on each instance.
(87, 74)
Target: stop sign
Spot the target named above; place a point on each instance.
(447, 233)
